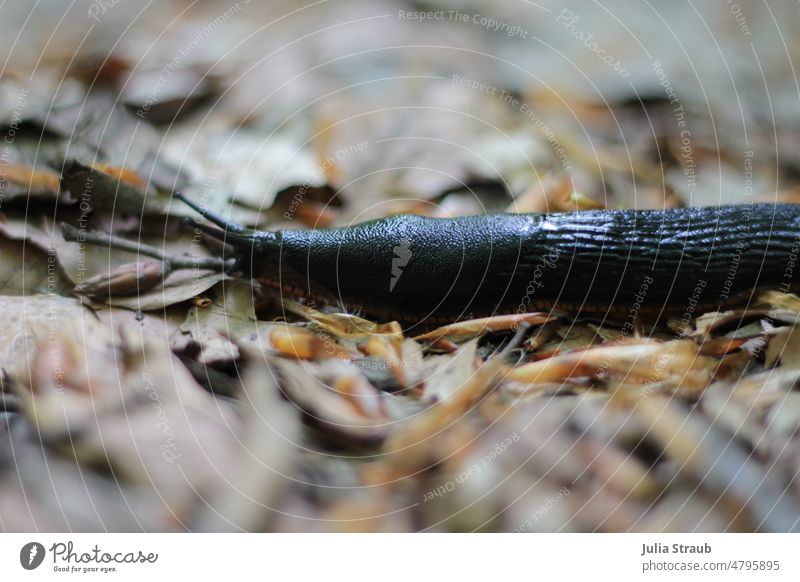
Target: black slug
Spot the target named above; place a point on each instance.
(621, 262)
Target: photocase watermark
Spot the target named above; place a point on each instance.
(196, 244)
(546, 261)
(378, 364)
(320, 172)
(491, 24)
(31, 555)
(785, 289)
(54, 335)
(740, 247)
(520, 105)
(66, 558)
(741, 19)
(55, 338)
(686, 150)
(473, 470)
(747, 172)
(168, 448)
(629, 326)
(745, 236)
(568, 19)
(184, 52)
(694, 300)
(328, 341)
(402, 255)
(100, 8)
(629, 323)
(85, 207)
(541, 511)
(14, 123)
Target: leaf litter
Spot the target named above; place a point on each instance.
(144, 390)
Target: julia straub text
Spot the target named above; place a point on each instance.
(648, 549)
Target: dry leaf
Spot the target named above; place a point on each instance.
(465, 330)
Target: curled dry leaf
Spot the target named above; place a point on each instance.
(201, 301)
(544, 195)
(345, 379)
(81, 261)
(444, 376)
(388, 348)
(741, 321)
(344, 325)
(719, 347)
(395, 373)
(361, 395)
(465, 330)
(647, 361)
(780, 301)
(302, 344)
(578, 201)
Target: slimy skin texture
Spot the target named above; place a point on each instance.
(434, 270)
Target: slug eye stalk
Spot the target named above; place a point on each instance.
(228, 232)
(214, 217)
(243, 239)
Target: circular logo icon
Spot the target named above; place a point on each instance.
(31, 555)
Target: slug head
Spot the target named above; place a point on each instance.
(256, 252)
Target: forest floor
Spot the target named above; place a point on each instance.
(152, 390)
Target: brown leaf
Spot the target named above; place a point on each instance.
(784, 349)
(179, 286)
(302, 344)
(128, 279)
(344, 325)
(19, 180)
(465, 330)
(647, 361)
(125, 175)
(107, 192)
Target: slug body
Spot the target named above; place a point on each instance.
(623, 262)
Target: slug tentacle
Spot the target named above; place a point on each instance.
(249, 243)
(209, 214)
